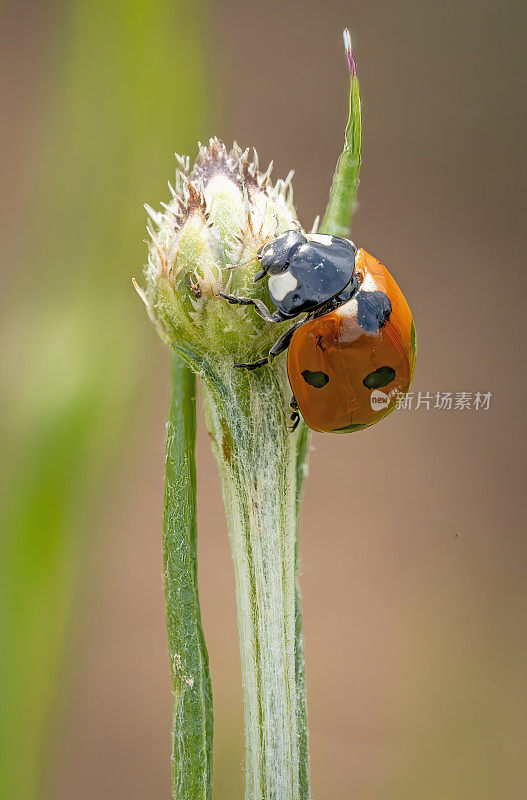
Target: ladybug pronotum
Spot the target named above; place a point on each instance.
(357, 337)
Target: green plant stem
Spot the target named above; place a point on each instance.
(193, 715)
(257, 456)
(304, 438)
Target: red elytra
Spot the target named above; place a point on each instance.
(337, 368)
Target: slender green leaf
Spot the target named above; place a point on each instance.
(193, 715)
(343, 194)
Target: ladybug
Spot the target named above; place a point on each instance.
(353, 351)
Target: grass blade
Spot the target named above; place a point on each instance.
(343, 194)
(193, 715)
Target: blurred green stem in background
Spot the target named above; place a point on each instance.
(72, 334)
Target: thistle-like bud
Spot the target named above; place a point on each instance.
(205, 241)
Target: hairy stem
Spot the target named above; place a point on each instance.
(192, 728)
(303, 766)
(257, 456)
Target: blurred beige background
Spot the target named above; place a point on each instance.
(413, 536)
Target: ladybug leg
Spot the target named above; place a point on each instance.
(294, 419)
(260, 307)
(283, 342)
(254, 364)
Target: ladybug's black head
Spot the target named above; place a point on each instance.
(276, 256)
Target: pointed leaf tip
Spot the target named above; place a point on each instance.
(349, 52)
(343, 192)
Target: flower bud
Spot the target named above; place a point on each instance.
(205, 241)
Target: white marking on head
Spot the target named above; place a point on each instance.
(281, 285)
(321, 238)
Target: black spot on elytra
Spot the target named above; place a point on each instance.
(373, 310)
(316, 379)
(381, 377)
